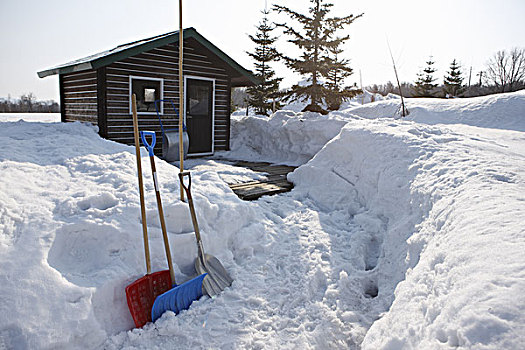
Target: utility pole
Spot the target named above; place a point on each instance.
(469, 76)
(362, 91)
(480, 76)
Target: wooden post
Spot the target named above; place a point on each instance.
(62, 98)
(181, 98)
(102, 116)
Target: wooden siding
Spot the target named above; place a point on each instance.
(78, 97)
(163, 63)
(101, 96)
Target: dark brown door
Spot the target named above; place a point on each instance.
(199, 116)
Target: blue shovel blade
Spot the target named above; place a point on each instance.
(178, 298)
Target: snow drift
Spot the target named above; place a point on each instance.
(69, 223)
(398, 234)
(445, 232)
(286, 136)
(501, 111)
(293, 137)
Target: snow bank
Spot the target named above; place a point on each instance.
(70, 232)
(361, 99)
(436, 208)
(501, 111)
(294, 137)
(286, 136)
(442, 207)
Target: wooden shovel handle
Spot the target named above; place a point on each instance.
(187, 189)
(161, 217)
(141, 184)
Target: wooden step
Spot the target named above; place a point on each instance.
(273, 183)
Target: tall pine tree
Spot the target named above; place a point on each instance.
(315, 41)
(262, 97)
(425, 81)
(453, 81)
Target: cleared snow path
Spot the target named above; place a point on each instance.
(287, 286)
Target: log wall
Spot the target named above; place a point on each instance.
(79, 96)
(102, 96)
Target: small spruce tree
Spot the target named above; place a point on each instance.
(338, 71)
(424, 85)
(262, 97)
(315, 41)
(453, 81)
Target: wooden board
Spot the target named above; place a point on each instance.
(275, 181)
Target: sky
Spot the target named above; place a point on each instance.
(37, 35)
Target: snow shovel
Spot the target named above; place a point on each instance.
(141, 294)
(179, 297)
(218, 278)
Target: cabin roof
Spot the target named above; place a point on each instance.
(101, 59)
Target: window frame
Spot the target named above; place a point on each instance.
(161, 95)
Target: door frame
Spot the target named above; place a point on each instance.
(195, 77)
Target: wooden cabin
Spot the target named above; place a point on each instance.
(98, 88)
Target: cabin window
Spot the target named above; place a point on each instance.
(147, 90)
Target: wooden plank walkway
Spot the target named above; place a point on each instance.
(275, 182)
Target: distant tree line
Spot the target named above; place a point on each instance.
(28, 103)
(323, 69)
(504, 72)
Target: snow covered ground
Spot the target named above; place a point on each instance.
(28, 117)
(502, 111)
(399, 234)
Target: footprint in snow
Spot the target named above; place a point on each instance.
(86, 252)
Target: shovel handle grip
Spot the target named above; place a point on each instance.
(186, 188)
(149, 146)
(192, 210)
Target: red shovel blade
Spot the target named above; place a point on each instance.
(142, 293)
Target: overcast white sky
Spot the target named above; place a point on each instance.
(37, 35)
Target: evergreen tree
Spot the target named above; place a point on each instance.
(261, 96)
(425, 81)
(453, 81)
(338, 71)
(318, 37)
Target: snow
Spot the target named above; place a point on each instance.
(38, 117)
(502, 111)
(437, 205)
(361, 99)
(399, 233)
(286, 137)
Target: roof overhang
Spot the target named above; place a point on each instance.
(243, 77)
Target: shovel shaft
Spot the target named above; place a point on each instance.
(161, 217)
(218, 278)
(141, 184)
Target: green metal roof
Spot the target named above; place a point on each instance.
(121, 52)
